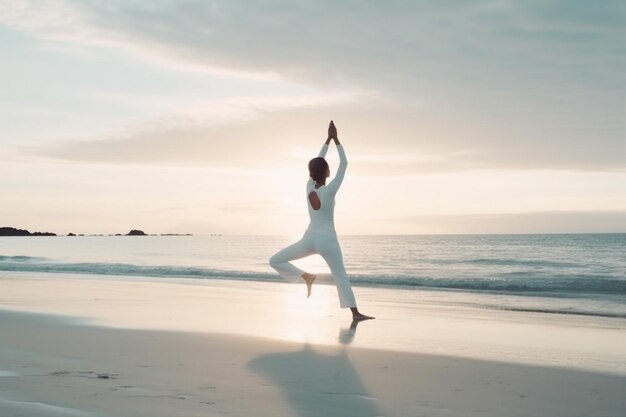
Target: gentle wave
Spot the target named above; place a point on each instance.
(519, 262)
(133, 270)
(559, 285)
(565, 312)
(556, 285)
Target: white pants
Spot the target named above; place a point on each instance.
(316, 243)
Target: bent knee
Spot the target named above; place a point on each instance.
(275, 261)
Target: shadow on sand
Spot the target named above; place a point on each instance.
(317, 384)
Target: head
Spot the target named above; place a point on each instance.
(318, 168)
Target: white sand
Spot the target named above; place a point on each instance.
(110, 347)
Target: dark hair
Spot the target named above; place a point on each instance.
(317, 168)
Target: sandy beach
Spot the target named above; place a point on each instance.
(100, 346)
(176, 175)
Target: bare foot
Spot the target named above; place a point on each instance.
(309, 278)
(357, 316)
(361, 317)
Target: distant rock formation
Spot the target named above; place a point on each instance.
(12, 231)
(135, 232)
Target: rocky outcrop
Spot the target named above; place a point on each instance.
(12, 231)
(135, 232)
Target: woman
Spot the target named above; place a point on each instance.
(320, 237)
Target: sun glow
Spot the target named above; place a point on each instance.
(323, 300)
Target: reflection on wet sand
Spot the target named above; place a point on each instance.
(318, 384)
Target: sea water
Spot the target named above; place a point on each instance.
(556, 273)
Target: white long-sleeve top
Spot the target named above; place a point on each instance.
(323, 220)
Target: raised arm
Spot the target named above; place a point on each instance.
(324, 149)
(334, 185)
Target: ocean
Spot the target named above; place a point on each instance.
(581, 274)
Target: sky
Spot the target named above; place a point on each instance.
(199, 116)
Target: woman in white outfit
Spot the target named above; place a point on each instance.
(321, 237)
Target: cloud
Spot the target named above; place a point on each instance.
(224, 132)
(392, 143)
(511, 83)
(368, 43)
(278, 135)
